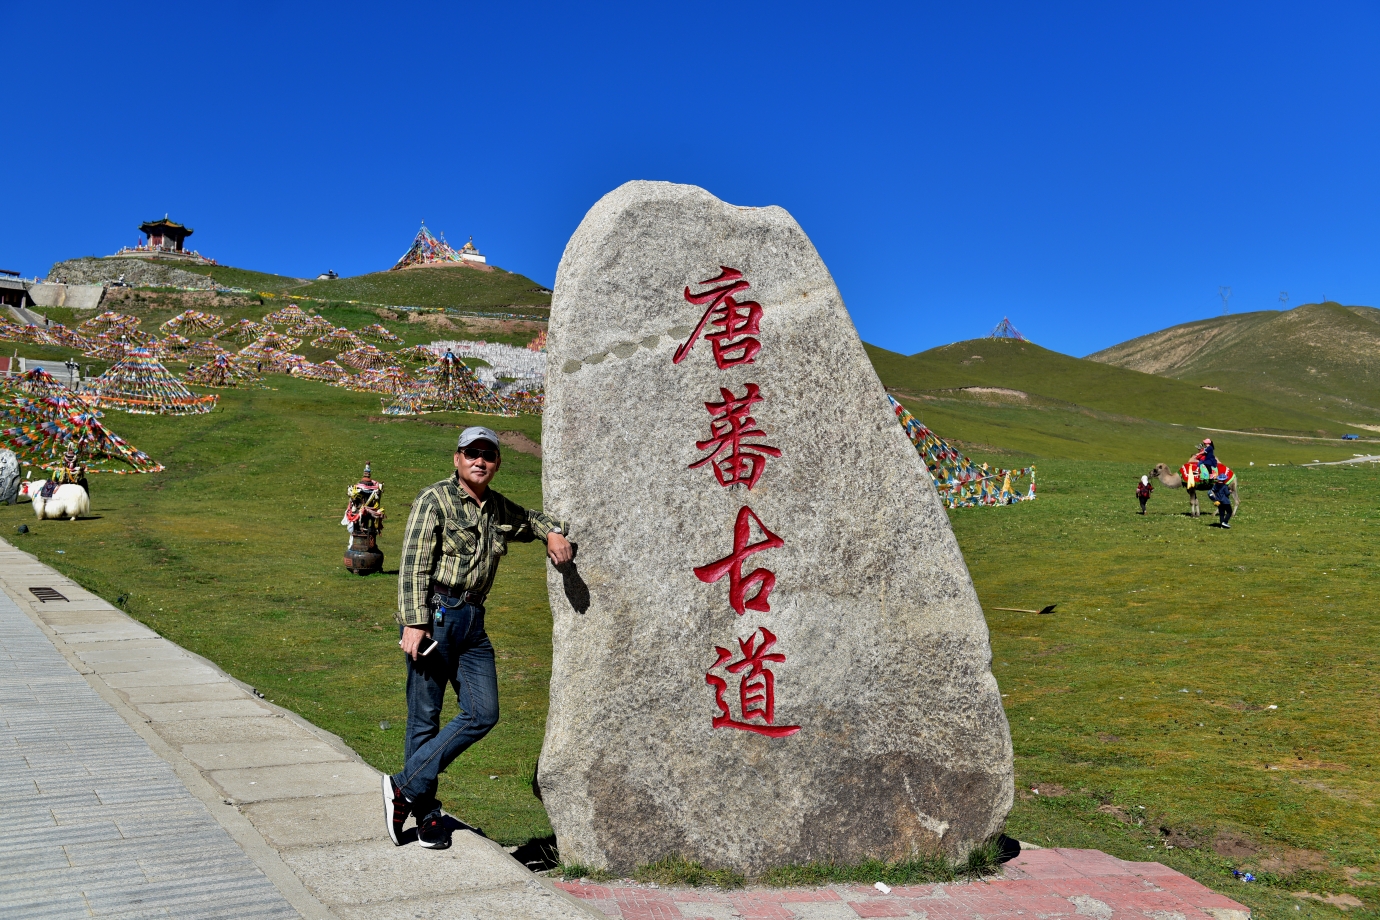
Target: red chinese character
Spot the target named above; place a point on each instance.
(756, 688)
(731, 427)
(732, 565)
(736, 322)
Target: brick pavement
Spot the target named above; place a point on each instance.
(1046, 884)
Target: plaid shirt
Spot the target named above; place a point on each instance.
(456, 541)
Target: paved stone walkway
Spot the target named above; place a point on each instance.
(94, 823)
(140, 780)
(1048, 884)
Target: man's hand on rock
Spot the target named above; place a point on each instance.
(412, 638)
(558, 549)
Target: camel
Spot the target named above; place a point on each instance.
(1178, 481)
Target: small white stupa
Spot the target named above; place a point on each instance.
(470, 254)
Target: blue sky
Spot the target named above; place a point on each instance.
(1093, 171)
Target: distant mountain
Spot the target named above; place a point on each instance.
(1320, 357)
(1023, 374)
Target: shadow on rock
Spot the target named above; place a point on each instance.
(538, 854)
(576, 591)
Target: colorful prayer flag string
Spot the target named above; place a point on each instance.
(961, 483)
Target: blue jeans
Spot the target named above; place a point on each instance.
(464, 658)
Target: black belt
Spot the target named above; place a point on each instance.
(442, 595)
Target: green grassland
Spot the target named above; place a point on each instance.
(234, 552)
(1146, 696)
(1016, 435)
(1321, 357)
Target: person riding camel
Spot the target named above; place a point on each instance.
(1206, 460)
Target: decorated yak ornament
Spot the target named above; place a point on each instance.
(364, 521)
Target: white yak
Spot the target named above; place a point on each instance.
(69, 501)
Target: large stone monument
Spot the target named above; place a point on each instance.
(9, 477)
(768, 649)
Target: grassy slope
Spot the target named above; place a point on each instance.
(244, 278)
(1027, 367)
(1012, 435)
(457, 287)
(438, 286)
(1078, 409)
(1322, 357)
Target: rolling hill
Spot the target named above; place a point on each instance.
(460, 287)
(1000, 397)
(994, 397)
(454, 286)
(439, 286)
(1050, 378)
(1320, 357)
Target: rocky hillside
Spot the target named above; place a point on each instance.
(135, 272)
(1320, 356)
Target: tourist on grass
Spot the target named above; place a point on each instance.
(457, 532)
(1221, 497)
(1143, 490)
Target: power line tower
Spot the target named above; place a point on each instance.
(1284, 300)
(1224, 292)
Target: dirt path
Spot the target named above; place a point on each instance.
(1288, 437)
(1372, 458)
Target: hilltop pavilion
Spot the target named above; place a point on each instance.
(163, 239)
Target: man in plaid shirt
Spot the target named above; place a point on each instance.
(456, 534)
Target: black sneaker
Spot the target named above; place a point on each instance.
(432, 832)
(395, 810)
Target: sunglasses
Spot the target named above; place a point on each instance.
(474, 453)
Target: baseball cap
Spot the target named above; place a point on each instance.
(476, 433)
